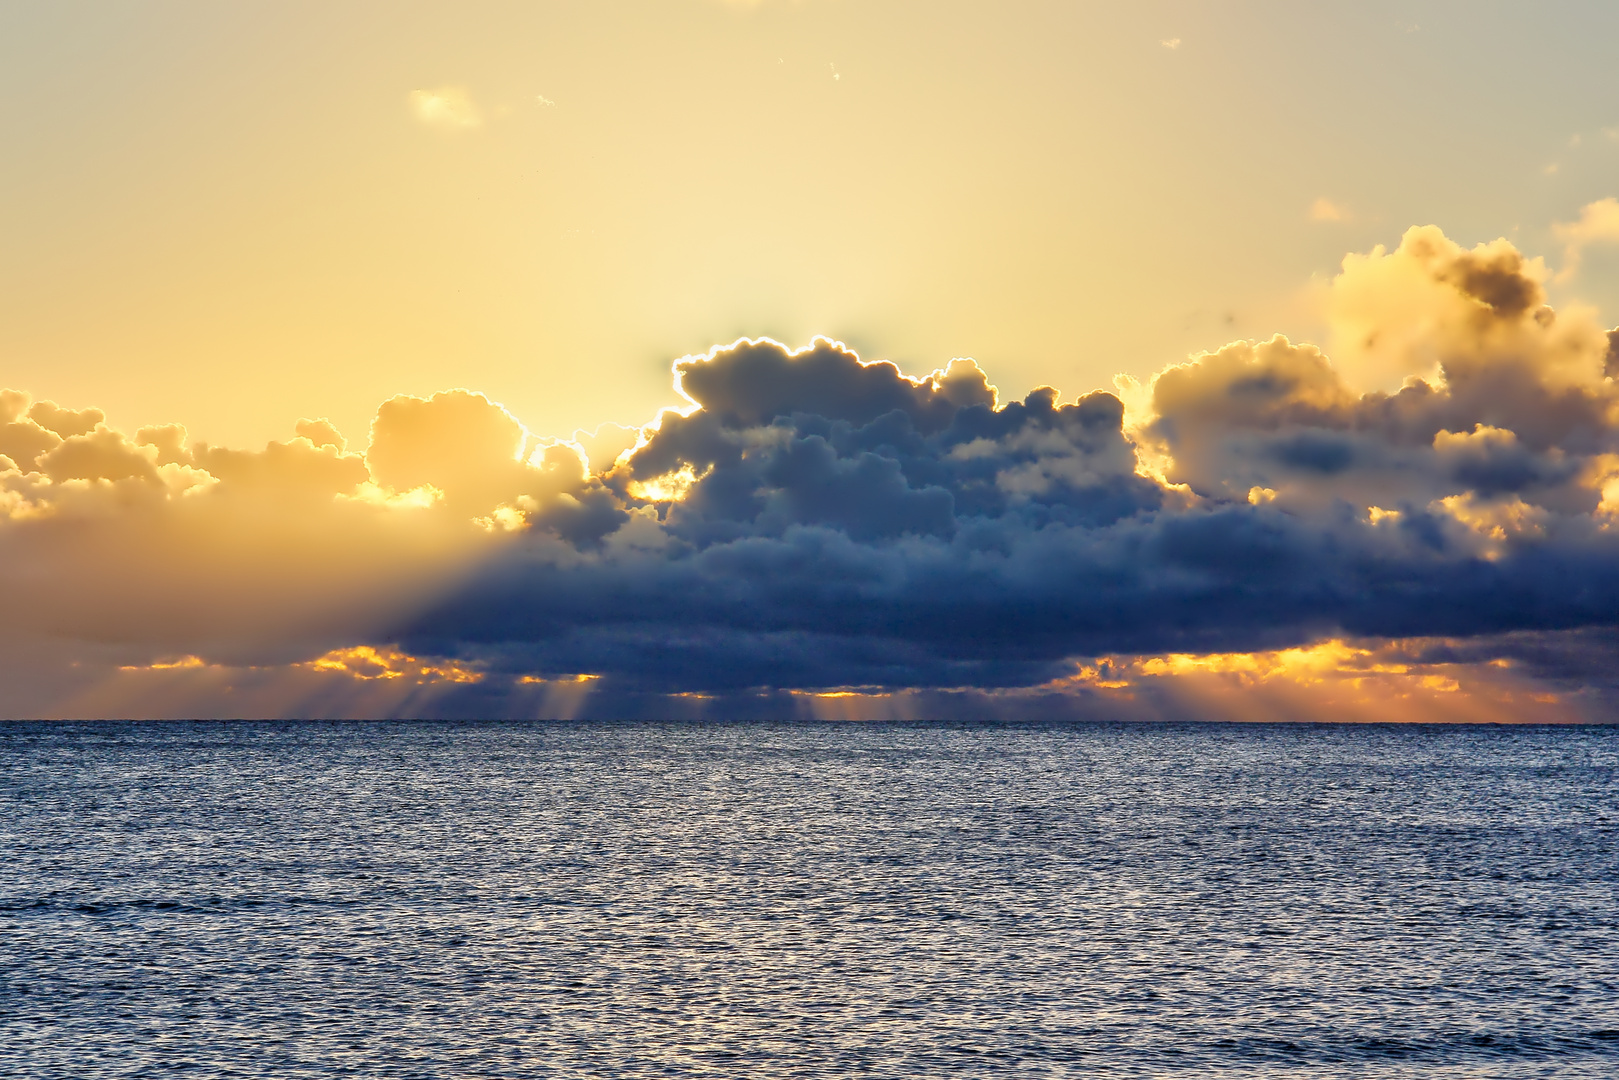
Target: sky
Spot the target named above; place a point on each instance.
(694, 356)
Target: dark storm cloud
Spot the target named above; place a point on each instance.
(816, 608)
(843, 525)
(813, 522)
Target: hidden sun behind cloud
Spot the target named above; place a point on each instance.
(1421, 525)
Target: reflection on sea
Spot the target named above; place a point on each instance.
(568, 900)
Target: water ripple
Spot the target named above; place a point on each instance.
(569, 900)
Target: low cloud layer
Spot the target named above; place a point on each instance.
(810, 531)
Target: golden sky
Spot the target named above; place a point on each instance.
(230, 215)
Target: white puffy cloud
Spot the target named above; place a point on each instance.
(1598, 224)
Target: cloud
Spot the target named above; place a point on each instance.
(1598, 224)
(1430, 303)
(449, 108)
(1171, 43)
(603, 445)
(458, 443)
(844, 525)
(65, 423)
(120, 552)
(1422, 521)
(1324, 209)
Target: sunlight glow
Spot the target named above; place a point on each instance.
(1331, 679)
(367, 662)
(670, 487)
(853, 705)
(182, 663)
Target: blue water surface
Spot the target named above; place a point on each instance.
(807, 900)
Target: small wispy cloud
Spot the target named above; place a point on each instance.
(1324, 209)
(1171, 43)
(448, 108)
(543, 100)
(1598, 224)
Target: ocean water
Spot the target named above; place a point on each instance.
(807, 900)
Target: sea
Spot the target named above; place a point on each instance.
(810, 899)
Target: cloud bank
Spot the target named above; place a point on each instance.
(1422, 526)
